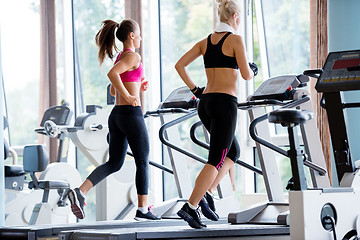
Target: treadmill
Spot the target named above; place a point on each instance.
(162, 229)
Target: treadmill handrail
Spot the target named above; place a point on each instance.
(262, 118)
(172, 146)
(158, 112)
(268, 102)
(275, 148)
(315, 73)
(161, 167)
(195, 139)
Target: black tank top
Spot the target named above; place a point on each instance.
(215, 58)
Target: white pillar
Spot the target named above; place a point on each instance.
(2, 177)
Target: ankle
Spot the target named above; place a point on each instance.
(83, 194)
(191, 206)
(143, 209)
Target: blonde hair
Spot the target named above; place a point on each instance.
(227, 8)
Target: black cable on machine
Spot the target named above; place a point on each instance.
(332, 222)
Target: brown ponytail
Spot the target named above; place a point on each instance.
(105, 38)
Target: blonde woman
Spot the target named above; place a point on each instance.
(224, 57)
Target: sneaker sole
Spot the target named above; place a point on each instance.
(75, 205)
(146, 219)
(142, 219)
(190, 220)
(208, 213)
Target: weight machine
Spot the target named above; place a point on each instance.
(23, 204)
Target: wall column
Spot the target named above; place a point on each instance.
(318, 54)
(2, 174)
(48, 88)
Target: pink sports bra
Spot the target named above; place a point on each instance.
(131, 76)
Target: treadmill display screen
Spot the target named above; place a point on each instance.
(341, 72)
(345, 63)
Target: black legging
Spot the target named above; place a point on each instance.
(218, 113)
(126, 125)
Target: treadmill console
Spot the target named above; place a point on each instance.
(180, 98)
(341, 72)
(278, 88)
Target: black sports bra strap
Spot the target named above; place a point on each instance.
(223, 38)
(209, 40)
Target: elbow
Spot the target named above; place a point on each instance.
(110, 75)
(179, 66)
(248, 76)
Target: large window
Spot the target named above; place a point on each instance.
(20, 44)
(281, 46)
(287, 35)
(88, 16)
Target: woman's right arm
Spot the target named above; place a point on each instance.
(125, 64)
(185, 60)
(240, 55)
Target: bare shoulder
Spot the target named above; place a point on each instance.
(202, 45)
(236, 41)
(131, 57)
(236, 38)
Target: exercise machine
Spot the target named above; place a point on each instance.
(278, 92)
(41, 200)
(165, 228)
(332, 213)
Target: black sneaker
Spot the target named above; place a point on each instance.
(210, 201)
(146, 216)
(77, 202)
(192, 217)
(207, 211)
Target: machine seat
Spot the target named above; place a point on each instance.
(14, 171)
(36, 159)
(50, 185)
(286, 116)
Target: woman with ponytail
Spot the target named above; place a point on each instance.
(126, 121)
(224, 57)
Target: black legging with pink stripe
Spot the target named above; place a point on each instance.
(218, 113)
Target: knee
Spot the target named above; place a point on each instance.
(114, 166)
(234, 153)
